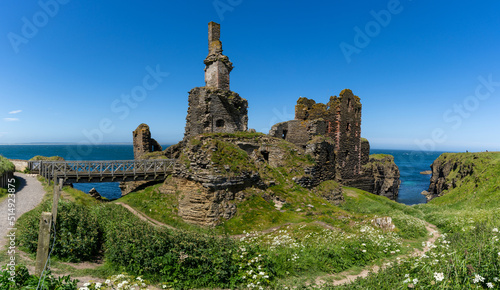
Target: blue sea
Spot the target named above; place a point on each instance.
(110, 190)
(410, 164)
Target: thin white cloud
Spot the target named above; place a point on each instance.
(15, 112)
(11, 119)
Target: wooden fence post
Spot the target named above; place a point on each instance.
(55, 200)
(42, 251)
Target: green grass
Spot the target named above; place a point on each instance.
(45, 158)
(6, 166)
(313, 237)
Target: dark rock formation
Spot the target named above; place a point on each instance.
(143, 143)
(93, 193)
(447, 171)
(379, 176)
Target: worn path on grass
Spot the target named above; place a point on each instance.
(156, 223)
(29, 194)
(348, 278)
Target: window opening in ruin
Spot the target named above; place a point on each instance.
(265, 154)
(284, 134)
(219, 123)
(349, 106)
(348, 129)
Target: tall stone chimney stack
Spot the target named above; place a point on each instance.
(217, 65)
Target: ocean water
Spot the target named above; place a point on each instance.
(410, 164)
(110, 190)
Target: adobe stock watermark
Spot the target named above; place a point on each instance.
(121, 107)
(31, 26)
(223, 6)
(460, 111)
(371, 29)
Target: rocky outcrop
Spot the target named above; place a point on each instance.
(201, 205)
(380, 176)
(215, 172)
(93, 193)
(447, 172)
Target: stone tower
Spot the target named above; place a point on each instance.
(217, 65)
(214, 108)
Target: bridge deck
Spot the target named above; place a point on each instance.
(104, 171)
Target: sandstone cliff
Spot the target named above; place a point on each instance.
(379, 176)
(448, 170)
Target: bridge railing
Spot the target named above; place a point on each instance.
(102, 169)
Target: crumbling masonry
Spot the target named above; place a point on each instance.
(331, 133)
(340, 120)
(143, 143)
(214, 108)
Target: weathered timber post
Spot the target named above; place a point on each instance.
(55, 200)
(42, 251)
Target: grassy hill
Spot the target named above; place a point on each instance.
(300, 244)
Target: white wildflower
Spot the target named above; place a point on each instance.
(98, 285)
(495, 279)
(415, 281)
(364, 251)
(107, 281)
(495, 230)
(83, 288)
(439, 276)
(86, 284)
(478, 278)
(489, 285)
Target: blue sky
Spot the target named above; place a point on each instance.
(427, 72)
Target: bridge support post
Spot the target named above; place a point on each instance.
(42, 251)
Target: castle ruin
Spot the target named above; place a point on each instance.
(143, 143)
(214, 108)
(340, 121)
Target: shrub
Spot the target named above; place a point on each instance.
(78, 233)
(23, 280)
(6, 165)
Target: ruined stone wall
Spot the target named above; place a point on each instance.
(143, 143)
(298, 132)
(342, 118)
(365, 151)
(213, 110)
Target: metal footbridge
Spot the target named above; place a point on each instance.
(103, 171)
